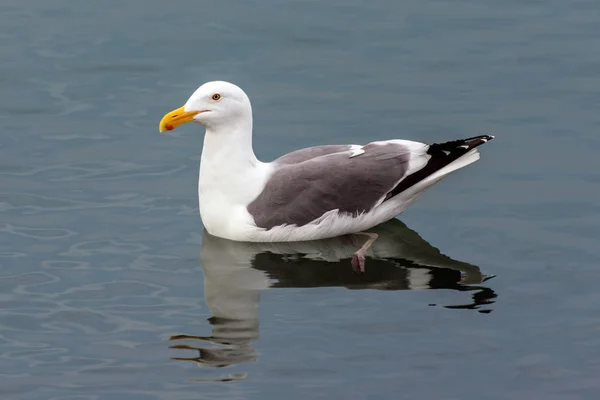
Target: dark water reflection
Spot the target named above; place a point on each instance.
(235, 274)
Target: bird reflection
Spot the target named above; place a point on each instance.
(236, 272)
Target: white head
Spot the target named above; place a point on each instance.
(217, 105)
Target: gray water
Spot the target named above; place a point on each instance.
(110, 289)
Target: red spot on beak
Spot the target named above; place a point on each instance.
(170, 127)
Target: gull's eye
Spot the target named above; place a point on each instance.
(216, 97)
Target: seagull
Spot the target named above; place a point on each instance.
(309, 194)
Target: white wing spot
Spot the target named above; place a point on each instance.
(464, 146)
(356, 150)
(446, 152)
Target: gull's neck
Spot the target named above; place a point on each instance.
(230, 177)
(229, 147)
(230, 151)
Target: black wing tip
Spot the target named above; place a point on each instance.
(476, 141)
(462, 144)
(483, 138)
(441, 154)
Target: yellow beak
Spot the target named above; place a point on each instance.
(175, 118)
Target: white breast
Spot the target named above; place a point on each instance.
(224, 193)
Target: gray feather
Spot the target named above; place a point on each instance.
(310, 182)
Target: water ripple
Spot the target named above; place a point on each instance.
(37, 233)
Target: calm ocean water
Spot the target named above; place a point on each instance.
(110, 289)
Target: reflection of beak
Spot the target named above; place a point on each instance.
(175, 118)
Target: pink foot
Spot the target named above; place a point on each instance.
(358, 258)
(358, 262)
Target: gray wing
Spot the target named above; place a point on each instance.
(301, 192)
(310, 182)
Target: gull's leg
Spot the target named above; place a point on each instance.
(358, 258)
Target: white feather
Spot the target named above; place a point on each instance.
(356, 150)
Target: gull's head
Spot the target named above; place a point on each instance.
(212, 105)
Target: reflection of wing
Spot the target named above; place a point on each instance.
(236, 272)
(396, 243)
